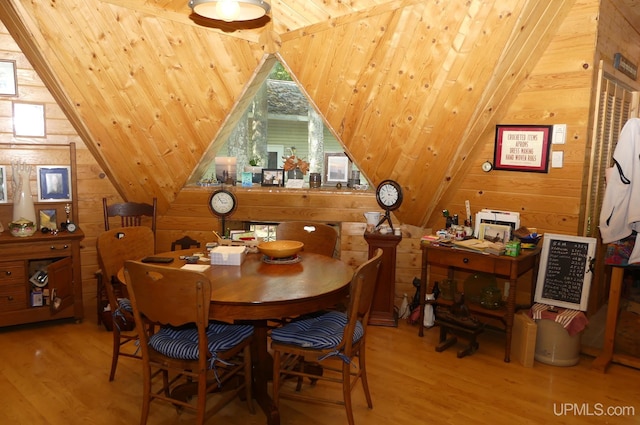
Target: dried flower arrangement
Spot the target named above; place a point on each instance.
(292, 162)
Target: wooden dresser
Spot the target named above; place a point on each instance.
(21, 259)
(40, 275)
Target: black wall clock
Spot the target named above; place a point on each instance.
(389, 197)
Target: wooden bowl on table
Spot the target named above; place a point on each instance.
(280, 249)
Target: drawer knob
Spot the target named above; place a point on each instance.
(465, 260)
(10, 297)
(53, 248)
(7, 272)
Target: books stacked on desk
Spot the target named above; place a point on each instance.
(495, 248)
(473, 245)
(479, 245)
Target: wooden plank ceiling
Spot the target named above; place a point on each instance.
(410, 86)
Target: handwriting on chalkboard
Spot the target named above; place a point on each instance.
(564, 276)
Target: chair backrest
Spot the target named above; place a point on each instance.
(361, 291)
(168, 296)
(130, 213)
(184, 243)
(116, 246)
(318, 238)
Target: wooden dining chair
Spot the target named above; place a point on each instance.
(187, 348)
(332, 341)
(114, 247)
(130, 214)
(184, 243)
(318, 238)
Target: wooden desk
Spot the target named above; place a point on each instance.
(256, 292)
(500, 265)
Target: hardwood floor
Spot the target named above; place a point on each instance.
(58, 374)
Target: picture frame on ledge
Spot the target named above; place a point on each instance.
(48, 219)
(272, 177)
(54, 183)
(337, 168)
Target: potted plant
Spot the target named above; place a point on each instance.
(254, 169)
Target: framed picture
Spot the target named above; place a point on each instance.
(495, 232)
(226, 169)
(504, 218)
(54, 184)
(522, 148)
(272, 177)
(28, 120)
(336, 168)
(3, 185)
(8, 78)
(48, 219)
(247, 179)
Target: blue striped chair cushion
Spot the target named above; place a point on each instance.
(182, 342)
(125, 304)
(317, 332)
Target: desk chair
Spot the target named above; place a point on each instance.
(318, 238)
(131, 214)
(188, 347)
(334, 337)
(113, 248)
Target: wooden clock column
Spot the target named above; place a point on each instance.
(382, 310)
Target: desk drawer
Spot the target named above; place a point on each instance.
(11, 272)
(499, 265)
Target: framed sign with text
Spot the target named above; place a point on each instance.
(522, 148)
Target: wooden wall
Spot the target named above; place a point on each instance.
(557, 90)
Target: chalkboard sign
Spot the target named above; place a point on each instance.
(565, 272)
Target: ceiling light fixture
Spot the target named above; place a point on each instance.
(230, 10)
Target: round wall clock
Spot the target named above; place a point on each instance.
(487, 166)
(222, 203)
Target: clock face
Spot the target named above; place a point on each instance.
(389, 195)
(487, 166)
(71, 227)
(222, 203)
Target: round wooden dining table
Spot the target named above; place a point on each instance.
(259, 291)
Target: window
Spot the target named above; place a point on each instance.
(279, 122)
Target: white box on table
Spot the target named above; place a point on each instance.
(228, 255)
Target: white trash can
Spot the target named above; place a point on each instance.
(554, 345)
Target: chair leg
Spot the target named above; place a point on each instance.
(116, 350)
(276, 377)
(363, 377)
(346, 391)
(146, 396)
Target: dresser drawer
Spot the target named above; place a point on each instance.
(500, 265)
(50, 250)
(13, 297)
(12, 272)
